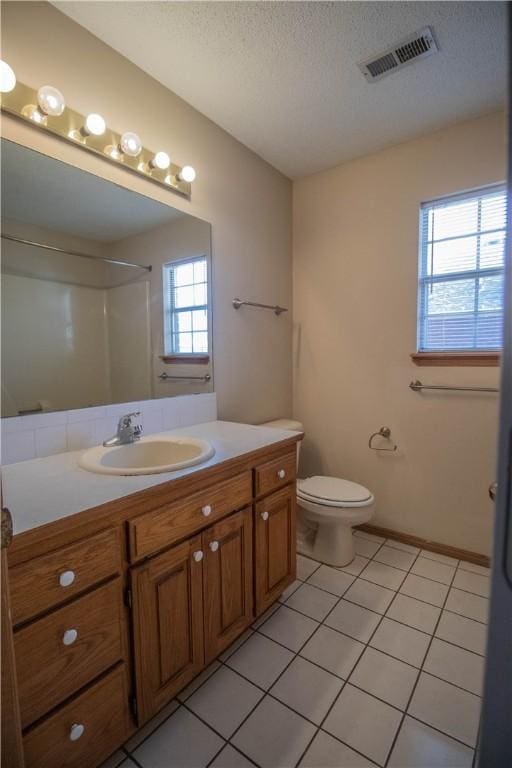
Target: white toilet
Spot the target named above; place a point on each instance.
(328, 508)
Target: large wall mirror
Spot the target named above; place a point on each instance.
(106, 293)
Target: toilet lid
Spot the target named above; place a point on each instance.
(333, 490)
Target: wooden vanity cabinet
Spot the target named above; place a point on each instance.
(228, 581)
(275, 544)
(113, 618)
(167, 624)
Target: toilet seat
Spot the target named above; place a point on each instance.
(333, 492)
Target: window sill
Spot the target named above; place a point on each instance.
(186, 359)
(456, 359)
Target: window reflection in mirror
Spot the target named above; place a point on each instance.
(84, 265)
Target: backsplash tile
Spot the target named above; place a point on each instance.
(18, 446)
(50, 440)
(44, 434)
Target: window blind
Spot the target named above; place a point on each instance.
(461, 271)
(186, 307)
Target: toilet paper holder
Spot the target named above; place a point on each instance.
(382, 432)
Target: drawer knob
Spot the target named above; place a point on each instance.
(206, 510)
(69, 636)
(198, 556)
(76, 731)
(214, 545)
(66, 578)
(281, 474)
(264, 516)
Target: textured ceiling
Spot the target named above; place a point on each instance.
(57, 196)
(282, 78)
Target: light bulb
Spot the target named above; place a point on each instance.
(94, 124)
(130, 144)
(51, 101)
(7, 77)
(187, 173)
(161, 160)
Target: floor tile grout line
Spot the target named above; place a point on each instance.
(406, 709)
(409, 571)
(356, 663)
(267, 692)
(134, 759)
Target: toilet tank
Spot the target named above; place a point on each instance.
(290, 424)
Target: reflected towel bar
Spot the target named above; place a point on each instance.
(417, 386)
(237, 303)
(166, 377)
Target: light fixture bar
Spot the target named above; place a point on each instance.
(68, 252)
(22, 103)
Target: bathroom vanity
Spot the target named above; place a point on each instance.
(118, 605)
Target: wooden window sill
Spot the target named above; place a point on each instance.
(186, 359)
(455, 359)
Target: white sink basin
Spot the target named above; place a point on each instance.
(147, 456)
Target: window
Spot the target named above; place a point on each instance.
(186, 307)
(461, 272)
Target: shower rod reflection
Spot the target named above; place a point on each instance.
(75, 253)
(417, 386)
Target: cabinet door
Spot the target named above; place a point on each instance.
(168, 624)
(227, 581)
(275, 547)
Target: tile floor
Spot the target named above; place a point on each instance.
(379, 663)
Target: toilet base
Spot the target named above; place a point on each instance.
(332, 545)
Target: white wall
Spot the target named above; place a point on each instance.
(355, 285)
(247, 201)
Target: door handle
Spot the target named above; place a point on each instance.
(493, 489)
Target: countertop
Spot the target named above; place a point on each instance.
(41, 491)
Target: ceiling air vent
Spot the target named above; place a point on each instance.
(417, 46)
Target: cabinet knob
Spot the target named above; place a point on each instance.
(198, 556)
(206, 510)
(264, 516)
(281, 474)
(69, 636)
(76, 731)
(214, 545)
(66, 578)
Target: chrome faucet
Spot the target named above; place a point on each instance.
(126, 431)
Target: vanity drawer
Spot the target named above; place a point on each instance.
(59, 654)
(153, 531)
(86, 730)
(46, 581)
(276, 473)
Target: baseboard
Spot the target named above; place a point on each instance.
(432, 546)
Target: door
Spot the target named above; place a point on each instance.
(167, 624)
(227, 574)
(496, 725)
(11, 755)
(274, 551)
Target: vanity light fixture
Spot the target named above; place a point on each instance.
(7, 78)
(46, 108)
(50, 101)
(161, 161)
(187, 173)
(32, 112)
(94, 125)
(130, 144)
